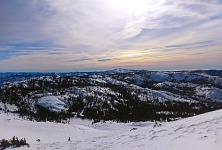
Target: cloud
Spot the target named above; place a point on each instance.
(195, 45)
(105, 59)
(7, 54)
(18, 49)
(95, 23)
(56, 53)
(23, 21)
(79, 60)
(104, 31)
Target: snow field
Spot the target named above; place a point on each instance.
(202, 132)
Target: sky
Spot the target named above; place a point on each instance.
(94, 35)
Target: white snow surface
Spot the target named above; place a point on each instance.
(8, 107)
(53, 103)
(209, 93)
(180, 76)
(119, 70)
(202, 132)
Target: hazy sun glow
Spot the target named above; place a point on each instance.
(133, 6)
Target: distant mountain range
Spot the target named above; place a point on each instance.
(17, 76)
(120, 95)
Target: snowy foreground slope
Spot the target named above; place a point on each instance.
(203, 132)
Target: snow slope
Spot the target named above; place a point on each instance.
(203, 132)
(53, 103)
